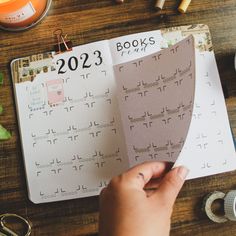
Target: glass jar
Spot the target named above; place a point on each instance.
(22, 14)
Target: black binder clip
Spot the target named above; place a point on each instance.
(63, 45)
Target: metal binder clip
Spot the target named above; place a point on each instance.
(63, 45)
(6, 231)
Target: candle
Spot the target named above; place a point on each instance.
(20, 13)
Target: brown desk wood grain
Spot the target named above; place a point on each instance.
(88, 21)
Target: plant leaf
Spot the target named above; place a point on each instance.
(4, 134)
(1, 78)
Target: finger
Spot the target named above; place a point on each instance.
(140, 175)
(149, 192)
(103, 191)
(153, 183)
(171, 185)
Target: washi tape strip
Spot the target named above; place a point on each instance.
(230, 204)
(207, 205)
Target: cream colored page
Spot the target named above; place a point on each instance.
(209, 148)
(156, 95)
(70, 126)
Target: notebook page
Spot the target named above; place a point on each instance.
(209, 148)
(69, 124)
(197, 163)
(156, 95)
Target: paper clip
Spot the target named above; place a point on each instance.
(63, 45)
(6, 231)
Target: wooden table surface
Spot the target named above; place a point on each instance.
(87, 21)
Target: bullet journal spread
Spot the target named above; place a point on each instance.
(91, 113)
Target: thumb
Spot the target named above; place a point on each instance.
(171, 184)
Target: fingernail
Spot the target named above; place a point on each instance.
(183, 172)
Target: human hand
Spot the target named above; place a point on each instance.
(128, 208)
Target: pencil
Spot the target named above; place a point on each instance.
(159, 4)
(119, 1)
(183, 6)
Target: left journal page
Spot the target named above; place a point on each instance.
(69, 122)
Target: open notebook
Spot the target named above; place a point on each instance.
(91, 113)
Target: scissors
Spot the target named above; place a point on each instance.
(5, 231)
